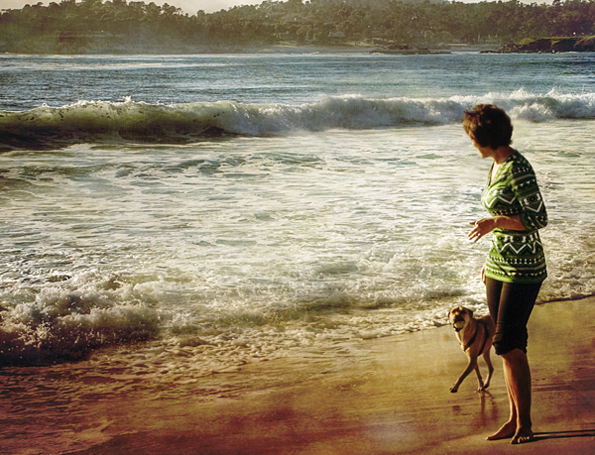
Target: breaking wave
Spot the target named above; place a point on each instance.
(69, 317)
(131, 121)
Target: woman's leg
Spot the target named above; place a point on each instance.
(493, 292)
(510, 307)
(516, 367)
(509, 428)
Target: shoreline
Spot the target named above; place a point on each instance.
(380, 396)
(282, 49)
(338, 49)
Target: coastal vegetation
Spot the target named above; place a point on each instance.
(118, 26)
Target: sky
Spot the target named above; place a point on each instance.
(189, 6)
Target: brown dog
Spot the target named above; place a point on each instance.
(476, 336)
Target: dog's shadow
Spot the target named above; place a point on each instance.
(564, 434)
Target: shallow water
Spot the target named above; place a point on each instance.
(330, 206)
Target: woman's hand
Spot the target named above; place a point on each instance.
(481, 228)
(487, 225)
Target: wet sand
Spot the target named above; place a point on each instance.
(382, 396)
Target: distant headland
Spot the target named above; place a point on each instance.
(549, 45)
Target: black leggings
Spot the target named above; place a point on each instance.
(510, 307)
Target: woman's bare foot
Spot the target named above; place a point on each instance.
(522, 436)
(508, 430)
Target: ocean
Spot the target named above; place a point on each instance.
(169, 217)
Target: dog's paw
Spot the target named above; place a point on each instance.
(454, 389)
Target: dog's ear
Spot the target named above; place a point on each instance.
(471, 313)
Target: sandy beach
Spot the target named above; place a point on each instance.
(382, 396)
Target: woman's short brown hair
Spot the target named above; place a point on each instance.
(488, 125)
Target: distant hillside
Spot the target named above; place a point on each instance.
(95, 26)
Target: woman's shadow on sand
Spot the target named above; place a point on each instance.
(540, 435)
(564, 434)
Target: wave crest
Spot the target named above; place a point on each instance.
(109, 122)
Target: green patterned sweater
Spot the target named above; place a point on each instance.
(516, 256)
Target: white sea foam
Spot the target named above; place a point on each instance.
(244, 250)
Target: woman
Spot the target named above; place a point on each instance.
(515, 267)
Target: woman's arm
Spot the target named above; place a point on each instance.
(527, 193)
(487, 225)
(533, 214)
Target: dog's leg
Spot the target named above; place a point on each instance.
(480, 386)
(488, 361)
(472, 365)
